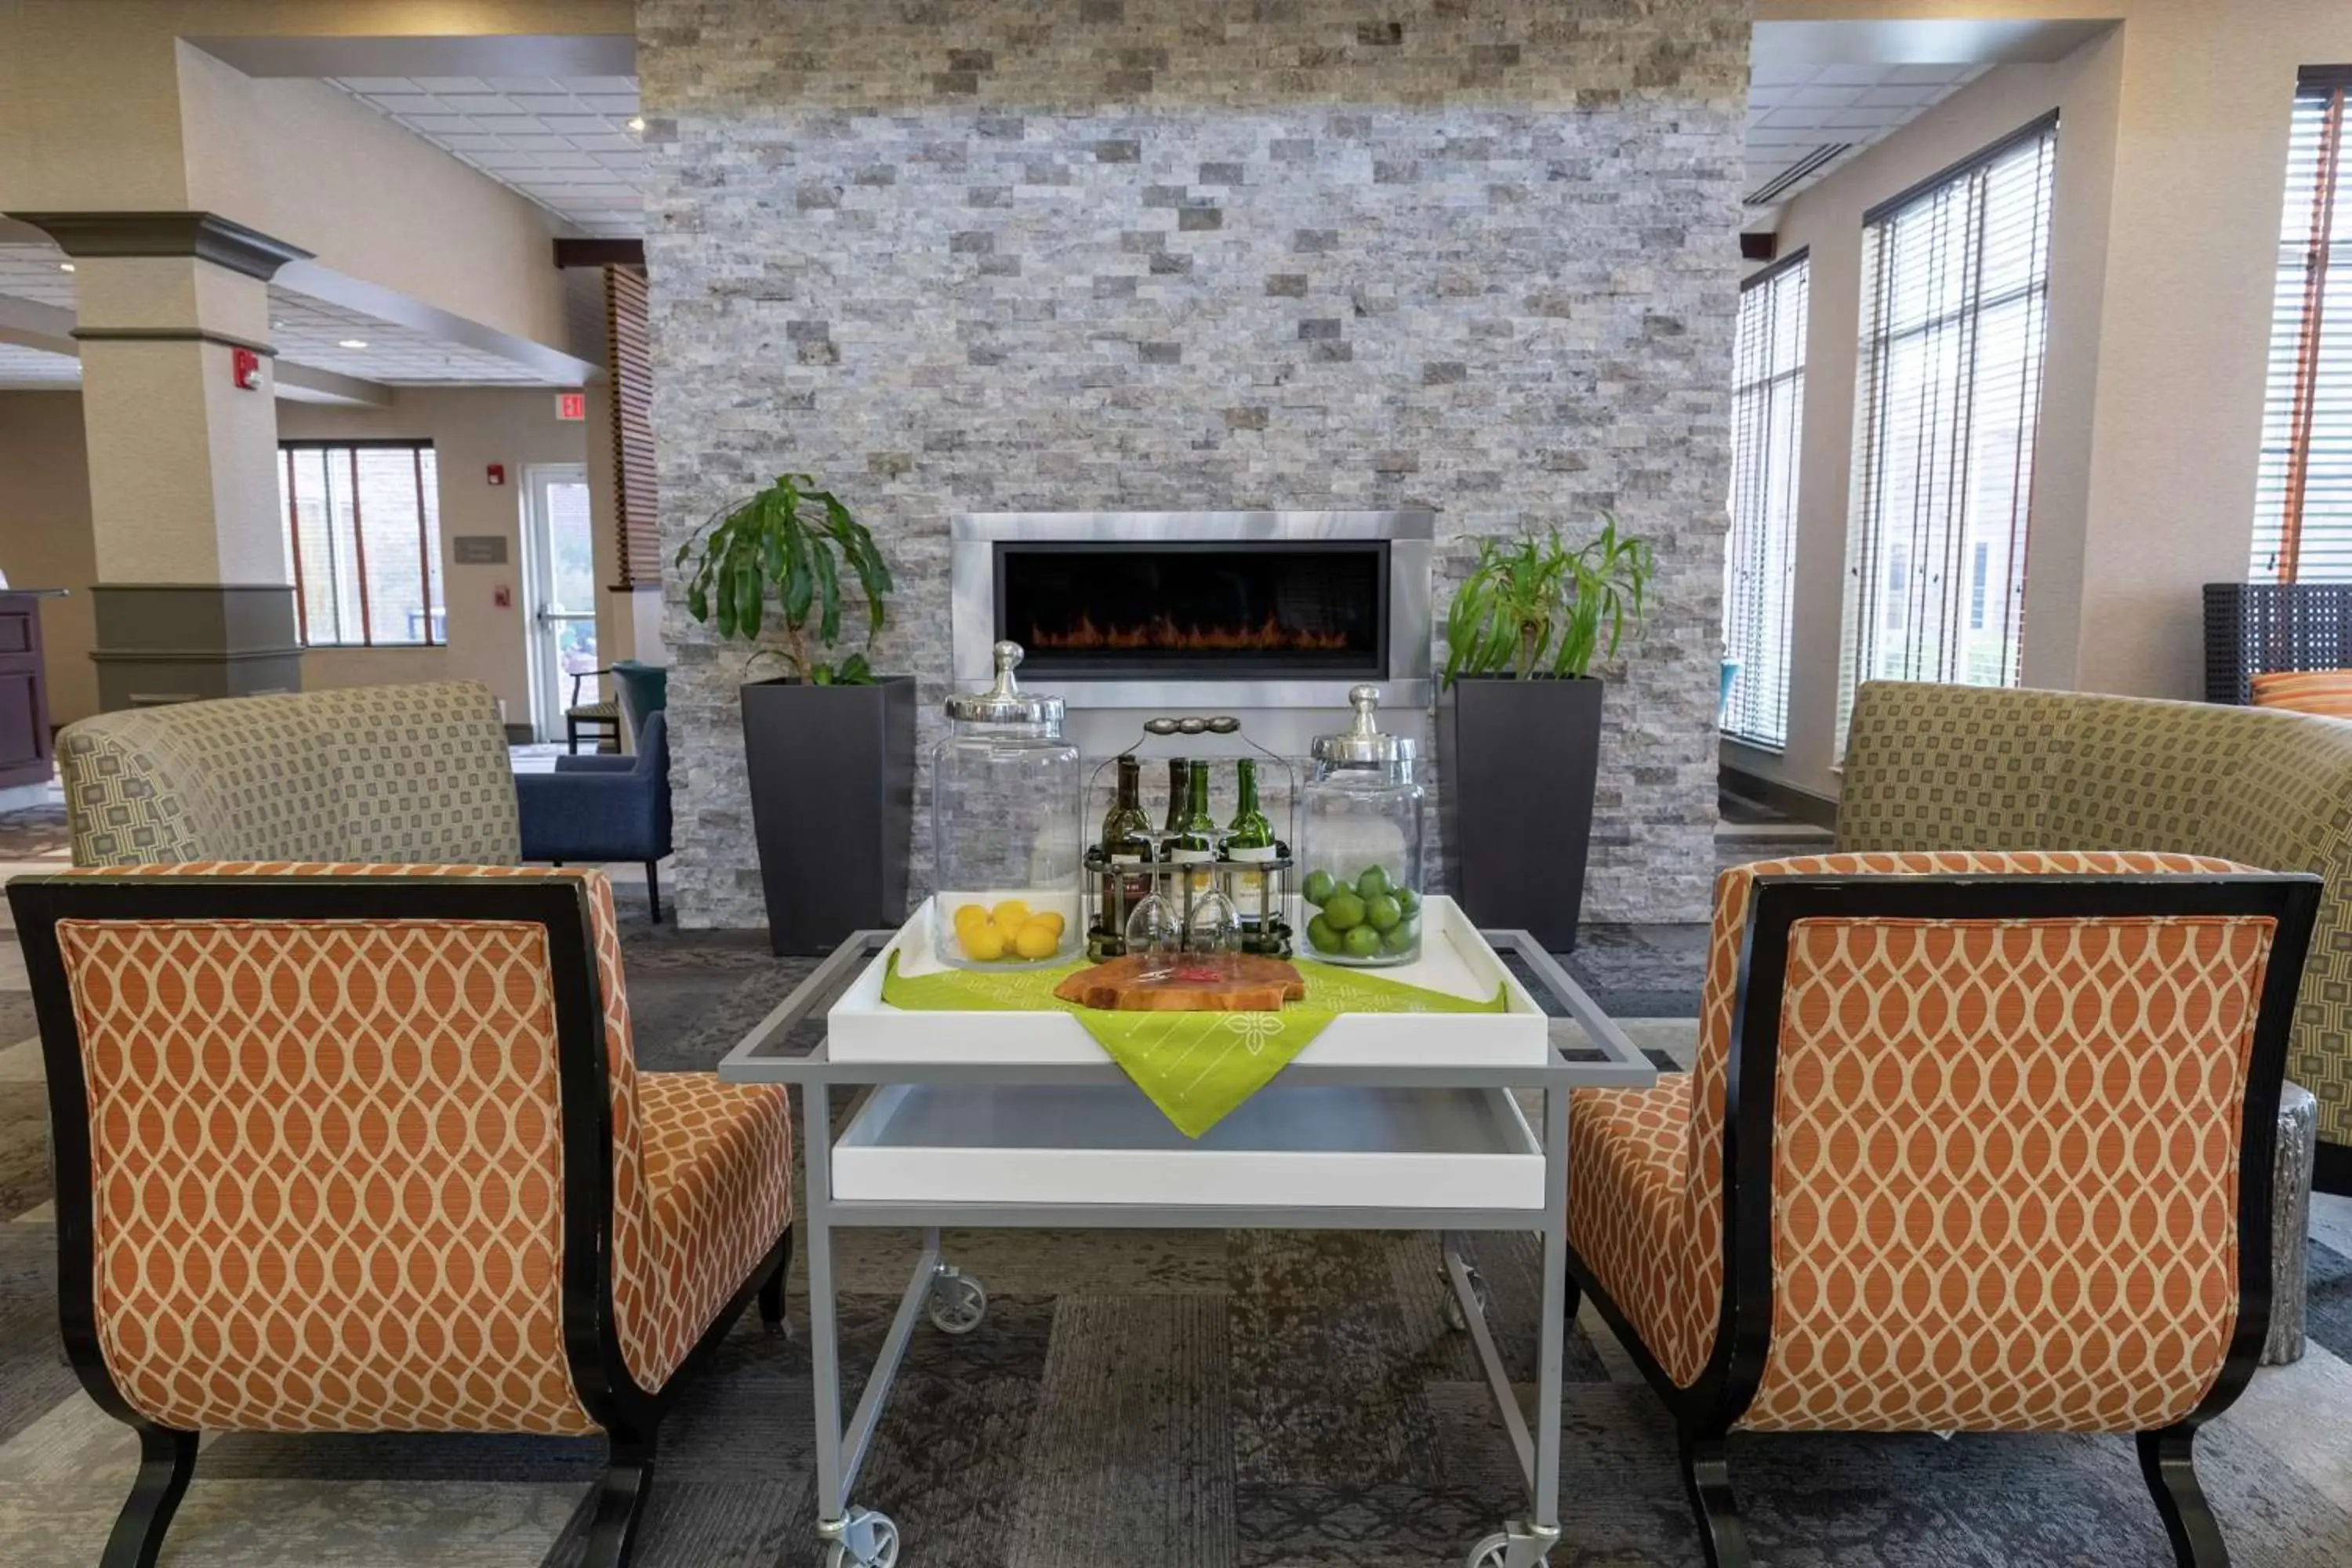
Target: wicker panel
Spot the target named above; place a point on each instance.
(2254, 627)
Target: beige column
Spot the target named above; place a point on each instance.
(193, 598)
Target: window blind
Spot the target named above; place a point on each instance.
(364, 542)
(2303, 498)
(1955, 277)
(1767, 414)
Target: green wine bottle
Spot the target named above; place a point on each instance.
(1179, 773)
(1126, 848)
(1249, 837)
(1195, 843)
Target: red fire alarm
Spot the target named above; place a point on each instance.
(571, 406)
(245, 369)
(497, 473)
(502, 597)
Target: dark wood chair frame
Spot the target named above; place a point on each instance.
(631, 1415)
(606, 728)
(1706, 1411)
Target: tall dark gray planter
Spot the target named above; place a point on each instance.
(832, 771)
(1517, 761)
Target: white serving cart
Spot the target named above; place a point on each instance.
(1385, 1121)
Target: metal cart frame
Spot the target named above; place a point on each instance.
(857, 1537)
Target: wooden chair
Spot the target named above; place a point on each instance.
(362, 1148)
(601, 718)
(1963, 1150)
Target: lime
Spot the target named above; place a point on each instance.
(1372, 883)
(1400, 937)
(1319, 932)
(1345, 910)
(1381, 911)
(1361, 941)
(1408, 901)
(1318, 889)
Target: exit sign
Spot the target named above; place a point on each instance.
(571, 406)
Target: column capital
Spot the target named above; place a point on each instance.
(207, 237)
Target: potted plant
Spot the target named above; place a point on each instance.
(1519, 721)
(828, 745)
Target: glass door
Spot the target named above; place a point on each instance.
(560, 550)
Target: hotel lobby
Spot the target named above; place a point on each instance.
(1278, 783)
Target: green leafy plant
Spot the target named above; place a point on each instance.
(796, 543)
(1535, 607)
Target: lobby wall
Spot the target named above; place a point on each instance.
(2171, 173)
(470, 428)
(45, 536)
(1460, 254)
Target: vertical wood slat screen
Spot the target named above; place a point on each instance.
(2303, 498)
(628, 367)
(1767, 417)
(1956, 279)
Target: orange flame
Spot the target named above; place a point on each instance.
(1165, 635)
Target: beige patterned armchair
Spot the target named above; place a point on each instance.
(390, 774)
(1967, 767)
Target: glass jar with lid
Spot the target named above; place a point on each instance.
(1006, 841)
(1360, 844)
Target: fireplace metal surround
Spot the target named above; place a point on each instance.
(975, 542)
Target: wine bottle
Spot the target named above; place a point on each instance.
(1195, 843)
(1126, 846)
(1179, 773)
(1249, 838)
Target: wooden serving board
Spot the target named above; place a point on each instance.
(1246, 982)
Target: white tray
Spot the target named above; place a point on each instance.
(1454, 959)
(1311, 1147)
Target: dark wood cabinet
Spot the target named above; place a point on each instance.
(24, 753)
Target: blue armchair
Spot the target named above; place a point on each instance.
(602, 808)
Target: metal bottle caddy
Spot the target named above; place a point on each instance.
(1261, 889)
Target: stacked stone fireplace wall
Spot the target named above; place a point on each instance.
(1076, 255)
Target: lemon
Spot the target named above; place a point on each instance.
(982, 942)
(1037, 940)
(1009, 915)
(969, 915)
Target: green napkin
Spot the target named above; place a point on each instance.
(1195, 1067)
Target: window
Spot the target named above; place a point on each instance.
(364, 542)
(1956, 279)
(1768, 410)
(2303, 502)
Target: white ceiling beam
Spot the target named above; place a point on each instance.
(308, 383)
(511, 55)
(550, 365)
(1921, 43)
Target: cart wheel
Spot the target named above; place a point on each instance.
(867, 1540)
(958, 1302)
(1454, 1317)
(1494, 1552)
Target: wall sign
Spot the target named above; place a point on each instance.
(478, 549)
(571, 406)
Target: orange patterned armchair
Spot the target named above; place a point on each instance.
(1962, 1149)
(364, 1148)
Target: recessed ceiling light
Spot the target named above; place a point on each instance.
(65, 267)
(352, 344)
(637, 123)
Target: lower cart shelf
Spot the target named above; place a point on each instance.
(1309, 1147)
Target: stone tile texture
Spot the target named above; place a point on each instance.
(1075, 254)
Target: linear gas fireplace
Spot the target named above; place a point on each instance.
(1227, 609)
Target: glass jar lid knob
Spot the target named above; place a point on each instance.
(1363, 741)
(1004, 703)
